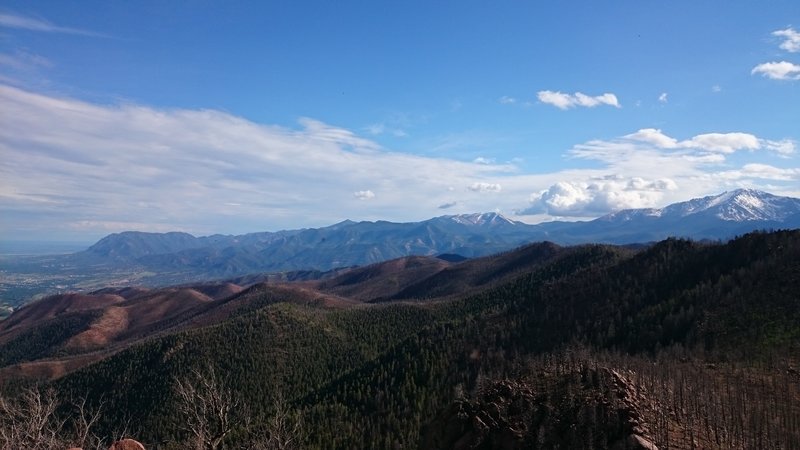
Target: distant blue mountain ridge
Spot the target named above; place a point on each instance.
(350, 243)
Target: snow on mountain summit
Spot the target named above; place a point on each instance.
(482, 219)
(740, 205)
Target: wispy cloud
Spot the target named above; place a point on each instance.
(33, 24)
(482, 160)
(791, 39)
(566, 101)
(762, 171)
(72, 165)
(73, 161)
(782, 70)
(506, 100)
(22, 60)
(377, 129)
(663, 97)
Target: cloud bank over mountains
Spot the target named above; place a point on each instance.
(98, 168)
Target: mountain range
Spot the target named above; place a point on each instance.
(351, 243)
(169, 258)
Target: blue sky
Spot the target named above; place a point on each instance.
(232, 117)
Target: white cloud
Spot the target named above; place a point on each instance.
(482, 160)
(706, 158)
(716, 88)
(600, 196)
(791, 39)
(67, 160)
(783, 147)
(663, 97)
(31, 24)
(723, 142)
(694, 164)
(485, 187)
(711, 142)
(364, 195)
(769, 172)
(654, 137)
(702, 148)
(506, 100)
(778, 70)
(566, 101)
(757, 171)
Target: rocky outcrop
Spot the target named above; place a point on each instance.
(632, 403)
(581, 409)
(127, 444)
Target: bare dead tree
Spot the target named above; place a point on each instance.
(282, 431)
(125, 429)
(85, 418)
(29, 421)
(208, 409)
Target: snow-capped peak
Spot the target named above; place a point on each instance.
(743, 205)
(740, 205)
(482, 219)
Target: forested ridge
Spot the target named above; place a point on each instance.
(707, 336)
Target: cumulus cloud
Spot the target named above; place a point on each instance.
(695, 164)
(791, 39)
(663, 97)
(485, 187)
(364, 195)
(566, 101)
(599, 196)
(783, 70)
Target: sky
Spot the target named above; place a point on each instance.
(235, 117)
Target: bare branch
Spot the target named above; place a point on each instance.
(209, 410)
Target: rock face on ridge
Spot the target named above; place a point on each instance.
(585, 409)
